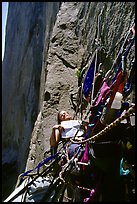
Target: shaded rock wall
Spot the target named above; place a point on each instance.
(28, 30)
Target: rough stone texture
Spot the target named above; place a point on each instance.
(72, 41)
(28, 30)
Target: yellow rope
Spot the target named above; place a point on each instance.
(109, 127)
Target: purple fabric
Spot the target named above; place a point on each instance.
(92, 193)
(85, 157)
(105, 90)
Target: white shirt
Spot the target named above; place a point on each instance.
(72, 128)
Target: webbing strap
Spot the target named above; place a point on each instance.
(38, 166)
(48, 169)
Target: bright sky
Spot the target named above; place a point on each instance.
(4, 19)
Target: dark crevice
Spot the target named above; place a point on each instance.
(47, 96)
(63, 26)
(66, 63)
(68, 50)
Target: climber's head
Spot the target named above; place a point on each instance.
(63, 116)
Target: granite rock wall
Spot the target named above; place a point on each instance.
(46, 45)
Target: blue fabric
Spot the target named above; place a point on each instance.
(94, 120)
(73, 148)
(88, 82)
(123, 172)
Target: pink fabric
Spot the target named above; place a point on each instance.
(105, 90)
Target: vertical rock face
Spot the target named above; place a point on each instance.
(28, 30)
(73, 39)
(38, 76)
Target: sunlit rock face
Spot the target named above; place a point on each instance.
(43, 49)
(72, 41)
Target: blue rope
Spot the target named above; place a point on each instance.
(125, 55)
(129, 85)
(39, 165)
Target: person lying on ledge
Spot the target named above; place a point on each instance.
(65, 129)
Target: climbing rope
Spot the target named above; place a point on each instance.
(109, 127)
(121, 49)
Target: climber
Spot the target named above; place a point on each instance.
(58, 130)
